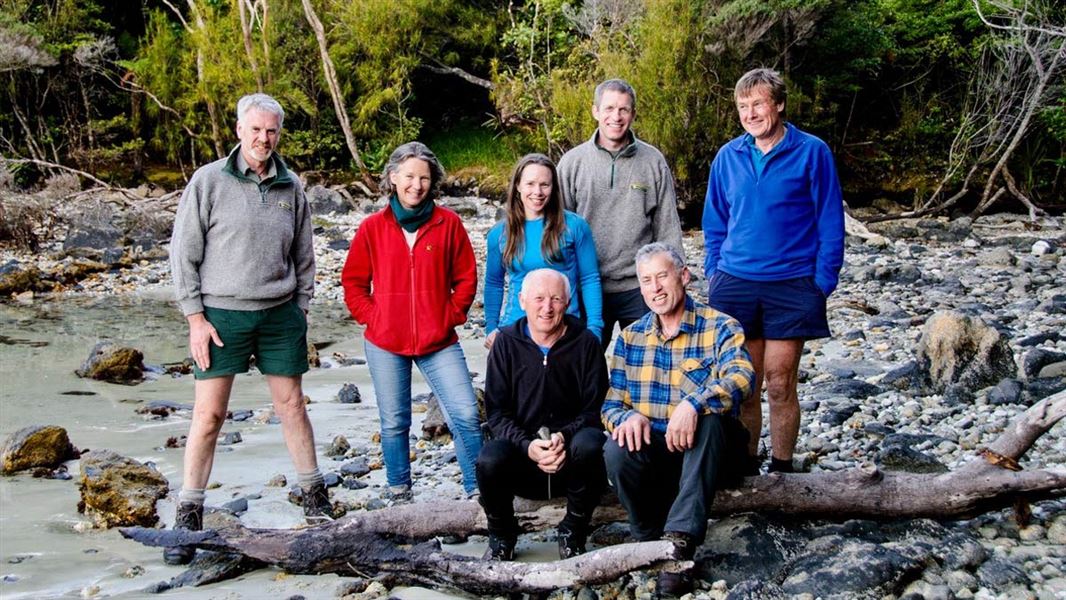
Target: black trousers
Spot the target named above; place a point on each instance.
(505, 471)
(672, 491)
(622, 308)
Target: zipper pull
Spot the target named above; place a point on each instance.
(545, 363)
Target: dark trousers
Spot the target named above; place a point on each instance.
(505, 471)
(669, 491)
(622, 308)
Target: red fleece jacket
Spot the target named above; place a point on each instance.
(410, 299)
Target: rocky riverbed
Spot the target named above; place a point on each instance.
(867, 394)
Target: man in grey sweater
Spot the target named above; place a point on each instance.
(243, 265)
(625, 190)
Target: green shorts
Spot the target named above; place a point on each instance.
(276, 336)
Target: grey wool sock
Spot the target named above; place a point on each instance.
(310, 479)
(192, 495)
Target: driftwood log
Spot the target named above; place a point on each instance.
(372, 544)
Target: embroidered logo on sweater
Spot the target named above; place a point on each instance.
(285, 205)
(638, 186)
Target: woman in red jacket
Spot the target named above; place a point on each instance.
(410, 277)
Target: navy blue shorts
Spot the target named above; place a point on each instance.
(775, 310)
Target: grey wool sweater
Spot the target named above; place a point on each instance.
(628, 200)
(239, 244)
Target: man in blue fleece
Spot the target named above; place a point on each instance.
(773, 228)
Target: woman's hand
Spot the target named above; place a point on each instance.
(490, 338)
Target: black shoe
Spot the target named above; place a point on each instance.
(752, 466)
(571, 543)
(673, 584)
(779, 465)
(685, 544)
(189, 516)
(317, 508)
(500, 548)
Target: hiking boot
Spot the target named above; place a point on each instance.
(685, 544)
(317, 508)
(673, 585)
(571, 543)
(752, 466)
(500, 548)
(190, 516)
(397, 494)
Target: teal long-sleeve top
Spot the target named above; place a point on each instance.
(578, 262)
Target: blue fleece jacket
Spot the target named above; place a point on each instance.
(578, 263)
(784, 223)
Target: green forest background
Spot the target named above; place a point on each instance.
(937, 107)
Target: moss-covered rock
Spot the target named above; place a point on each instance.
(119, 491)
(17, 281)
(35, 446)
(112, 363)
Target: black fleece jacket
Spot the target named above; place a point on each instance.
(524, 390)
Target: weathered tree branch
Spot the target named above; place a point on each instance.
(361, 542)
(465, 75)
(78, 172)
(335, 91)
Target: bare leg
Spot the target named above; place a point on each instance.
(288, 397)
(781, 363)
(751, 408)
(208, 415)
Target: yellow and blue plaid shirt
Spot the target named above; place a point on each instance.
(705, 364)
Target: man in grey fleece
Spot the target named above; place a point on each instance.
(244, 266)
(625, 190)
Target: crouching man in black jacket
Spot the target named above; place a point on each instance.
(545, 371)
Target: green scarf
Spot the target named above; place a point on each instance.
(411, 220)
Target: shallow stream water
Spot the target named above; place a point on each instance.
(46, 548)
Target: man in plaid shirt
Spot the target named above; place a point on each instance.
(678, 376)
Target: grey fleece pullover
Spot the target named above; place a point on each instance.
(628, 200)
(240, 244)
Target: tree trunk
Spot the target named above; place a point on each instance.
(335, 91)
(362, 542)
(212, 109)
(246, 33)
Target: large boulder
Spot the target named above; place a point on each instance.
(1036, 359)
(15, 280)
(434, 426)
(963, 353)
(324, 201)
(119, 491)
(35, 446)
(112, 363)
(898, 454)
(94, 236)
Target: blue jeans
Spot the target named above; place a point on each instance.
(445, 371)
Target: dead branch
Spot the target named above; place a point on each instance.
(335, 91)
(364, 541)
(441, 69)
(1034, 210)
(310, 551)
(51, 165)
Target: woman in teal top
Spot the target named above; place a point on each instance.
(537, 233)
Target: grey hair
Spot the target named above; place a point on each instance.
(539, 272)
(655, 248)
(260, 102)
(407, 151)
(762, 76)
(614, 85)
